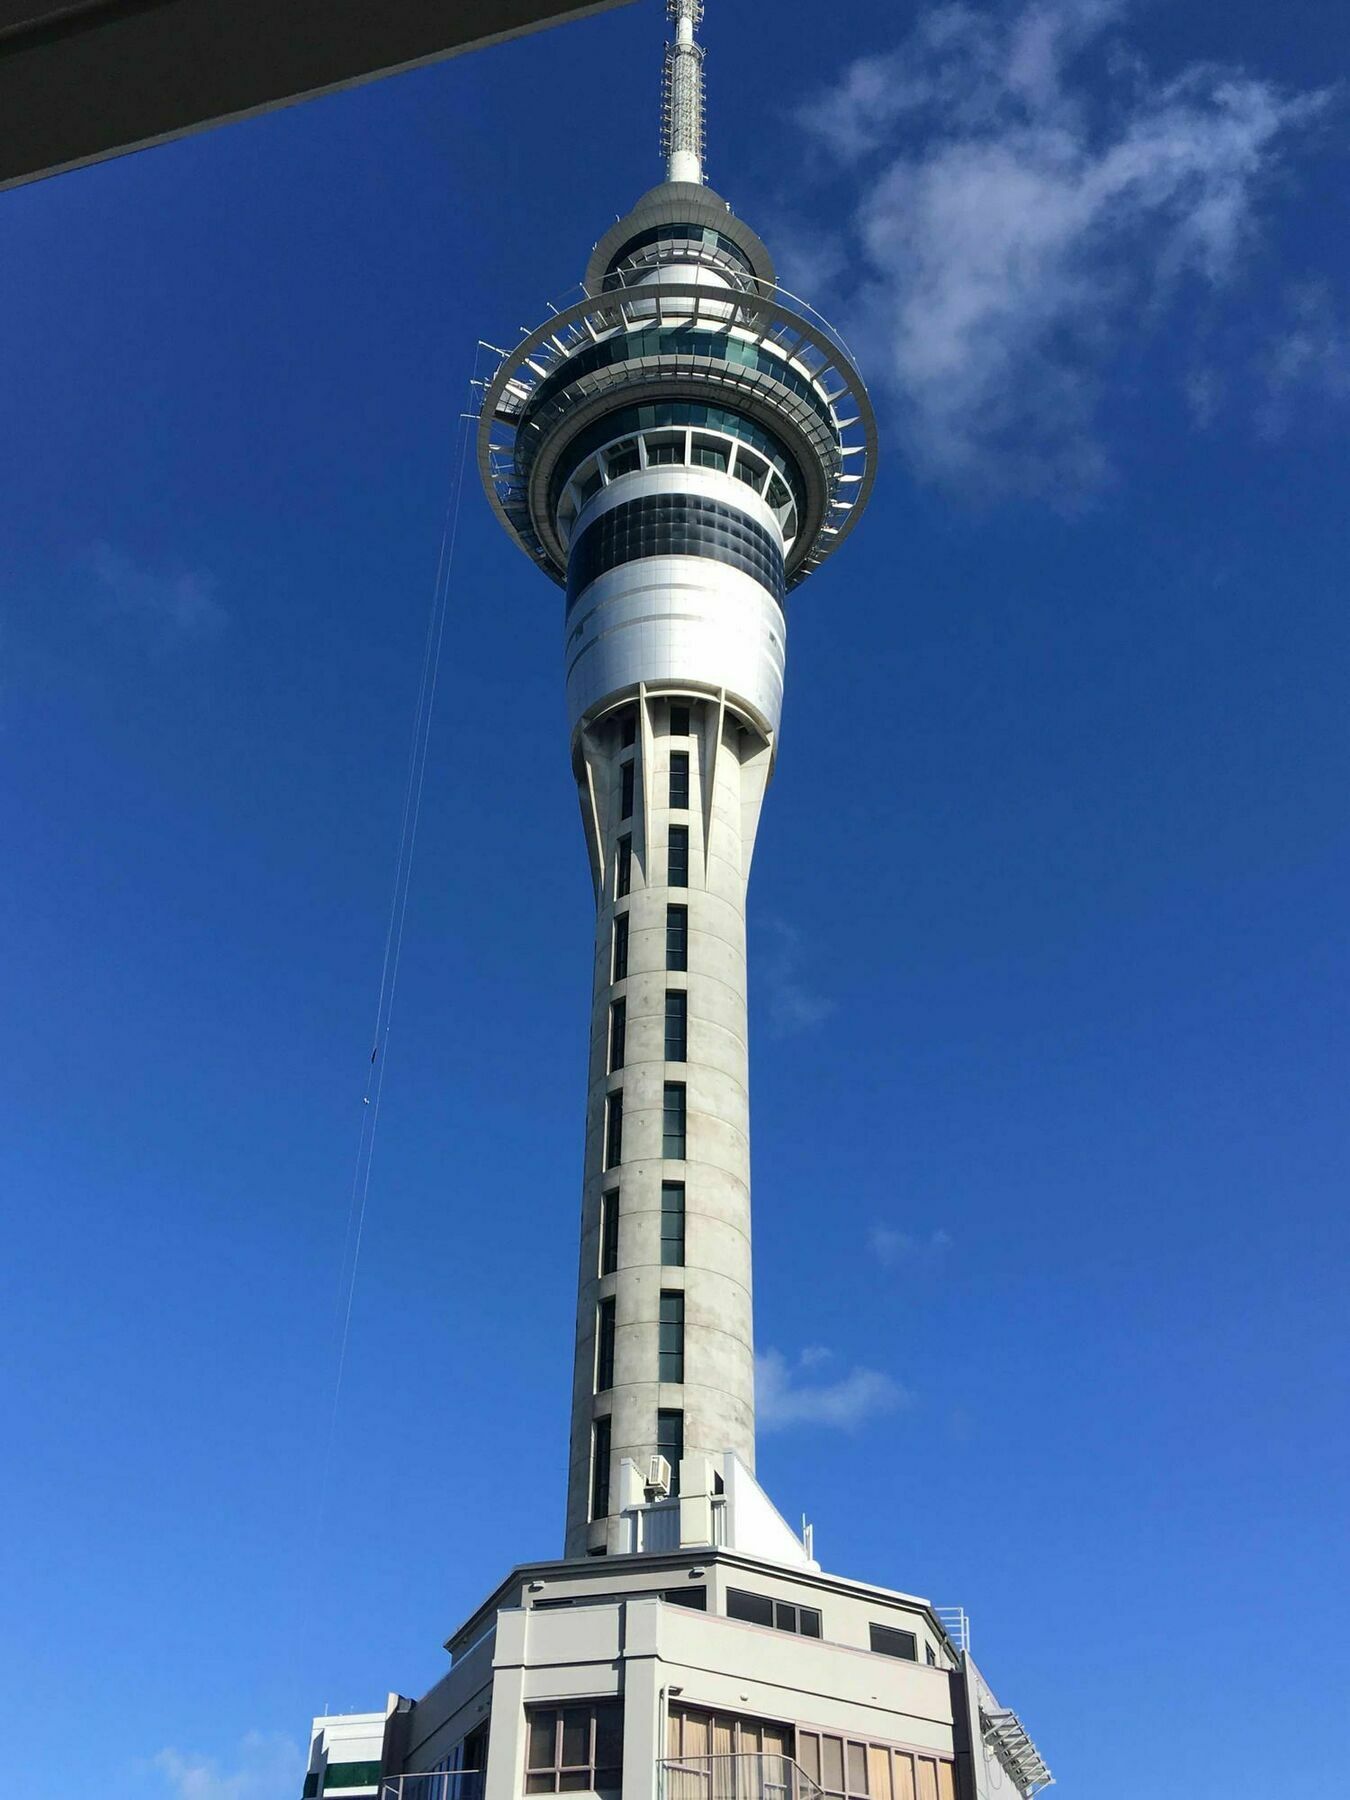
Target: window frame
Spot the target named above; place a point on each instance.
(609, 1230)
(675, 1040)
(627, 784)
(602, 1442)
(678, 916)
(677, 856)
(670, 1336)
(876, 1630)
(605, 1714)
(678, 782)
(623, 866)
(669, 1092)
(618, 1034)
(606, 1326)
(673, 1238)
(618, 957)
(671, 1437)
(613, 1128)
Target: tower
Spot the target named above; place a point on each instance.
(678, 450)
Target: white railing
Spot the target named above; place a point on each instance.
(440, 1784)
(744, 1777)
(658, 1526)
(954, 1622)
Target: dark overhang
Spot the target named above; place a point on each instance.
(87, 79)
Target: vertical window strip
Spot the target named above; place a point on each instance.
(670, 1346)
(670, 1443)
(618, 1033)
(614, 1128)
(677, 1025)
(623, 865)
(672, 1224)
(604, 1346)
(673, 1121)
(626, 791)
(677, 857)
(677, 937)
(620, 959)
(679, 779)
(679, 718)
(600, 1434)
(609, 1231)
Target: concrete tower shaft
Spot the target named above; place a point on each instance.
(678, 449)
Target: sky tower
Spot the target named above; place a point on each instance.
(678, 449)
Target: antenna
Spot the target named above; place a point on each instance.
(682, 96)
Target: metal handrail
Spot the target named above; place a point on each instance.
(741, 1775)
(434, 1784)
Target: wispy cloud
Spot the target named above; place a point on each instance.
(267, 1767)
(1029, 191)
(784, 1398)
(794, 1005)
(1306, 362)
(892, 1247)
(170, 605)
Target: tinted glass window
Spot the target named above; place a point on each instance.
(888, 1642)
(755, 1609)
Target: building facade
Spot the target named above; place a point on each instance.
(678, 451)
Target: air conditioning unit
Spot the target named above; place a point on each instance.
(658, 1478)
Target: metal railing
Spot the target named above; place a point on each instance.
(954, 1622)
(742, 1777)
(439, 1784)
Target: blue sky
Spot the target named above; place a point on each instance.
(1048, 942)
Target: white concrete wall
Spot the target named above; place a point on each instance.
(728, 772)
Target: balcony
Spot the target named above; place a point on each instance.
(442, 1784)
(744, 1777)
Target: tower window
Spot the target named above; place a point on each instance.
(677, 857)
(604, 1346)
(609, 1231)
(677, 937)
(672, 1224)
(888, 1642)
(614, 1128)
(618, 1033)
(679, 719)
(623, 866)
(600, 1469)
(672, 1120)
(670, 1443)
(626, 791)
(671, 1336)
(677, 1025)
(709, 453)
(620, 959)
(679, 778)
(628, 728)
(666, 449)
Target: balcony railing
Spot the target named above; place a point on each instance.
(442, 1784)
(744, 1777)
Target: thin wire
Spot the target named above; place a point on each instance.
(414, 788)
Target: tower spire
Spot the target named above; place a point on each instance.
(682, 97)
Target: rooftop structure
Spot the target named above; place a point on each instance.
(679, 450)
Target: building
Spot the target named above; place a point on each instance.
(679, 450)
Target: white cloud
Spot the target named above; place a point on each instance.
(1307, 361)
(793, 1004)
(268, 1767)
(1020, 213)
(892, 1247)
(782, 1398)
(177, 605)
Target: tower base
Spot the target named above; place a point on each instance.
(710, 1671)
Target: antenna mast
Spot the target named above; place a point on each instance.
(682, 97)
